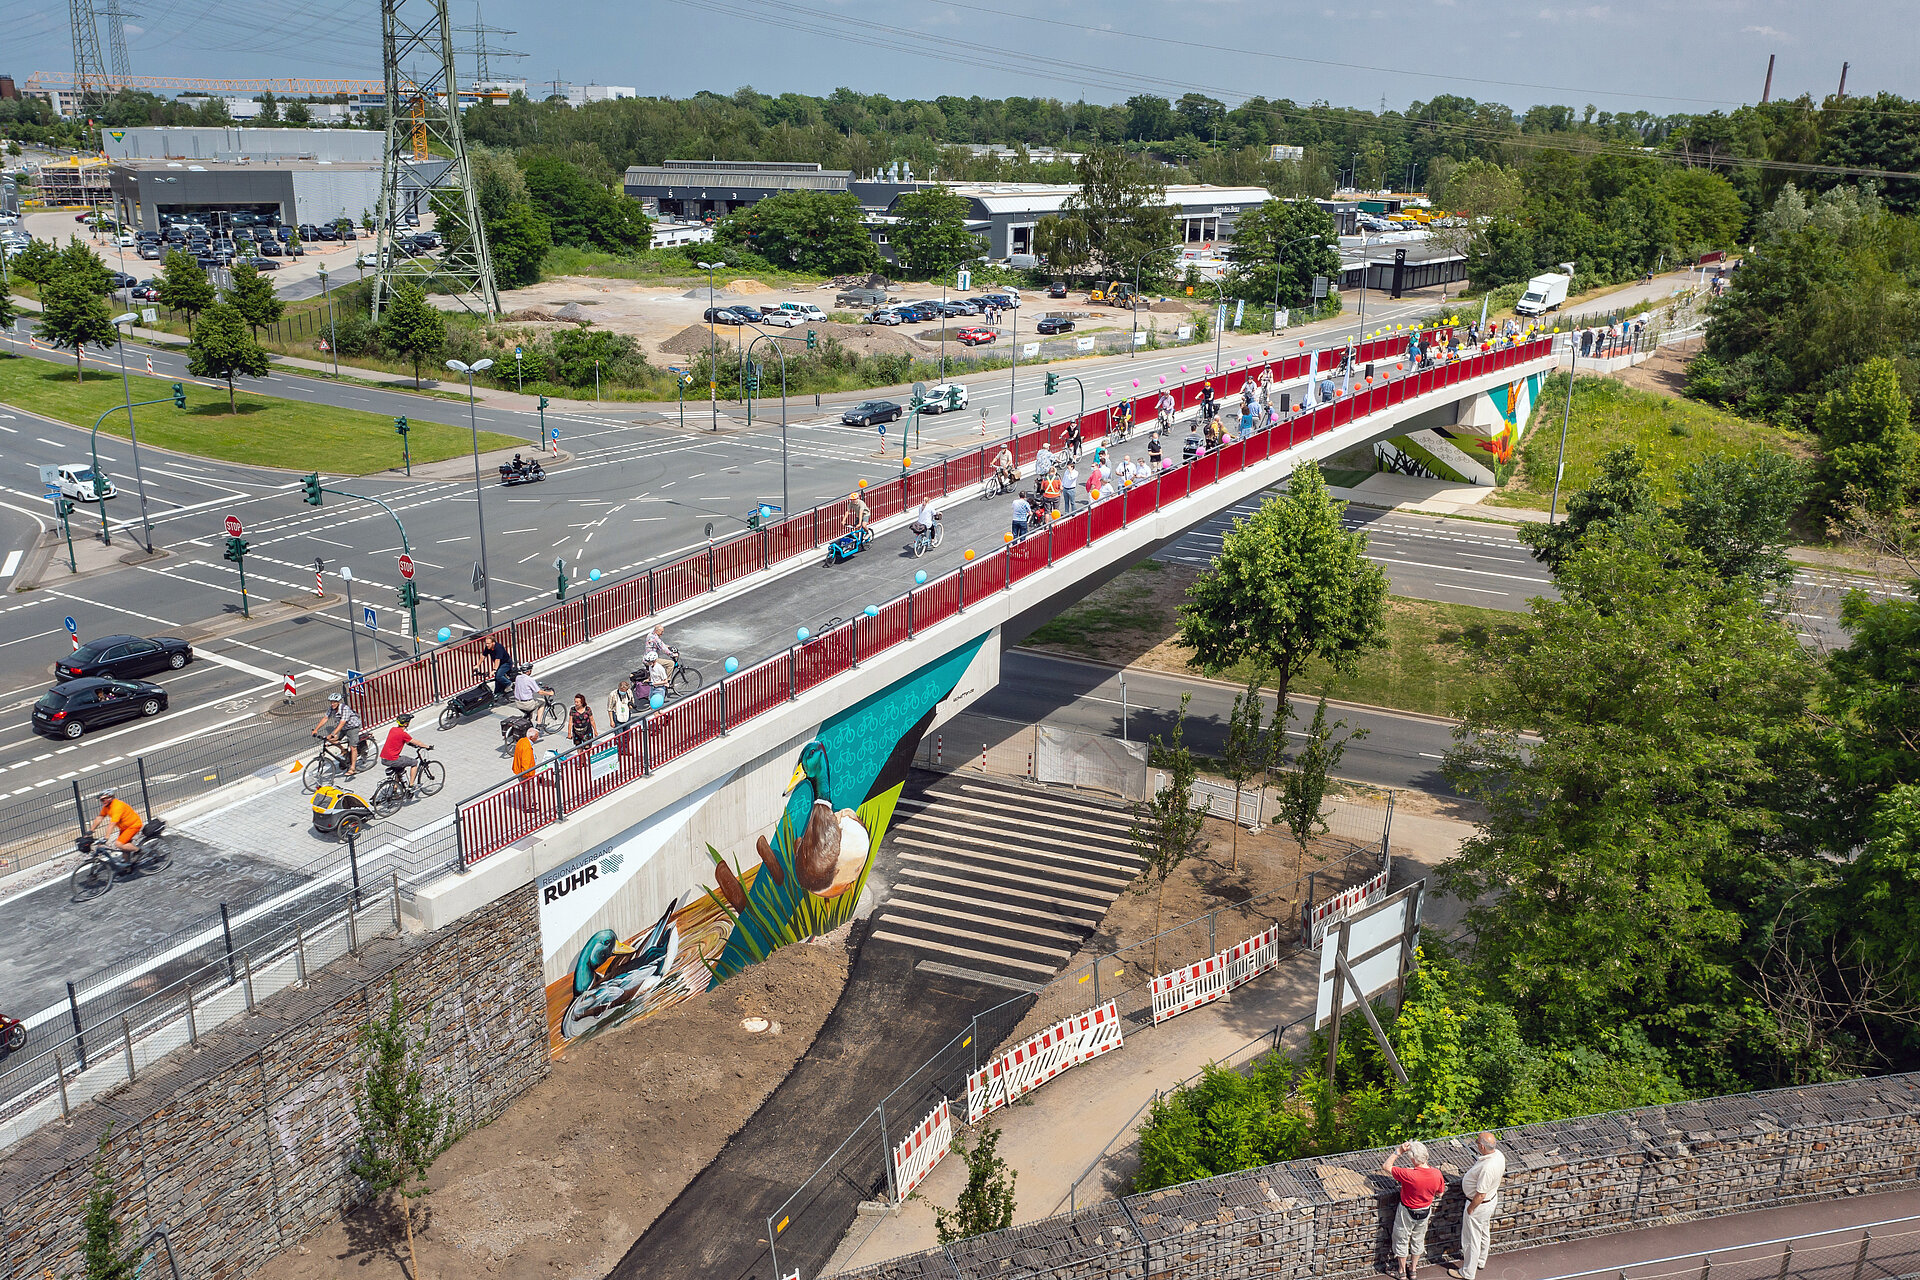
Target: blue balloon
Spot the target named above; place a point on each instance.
(802, 634)
(733, 665)
(920, 576)
(594, 576)
(445, 635)
(873, 611)
(658, 700)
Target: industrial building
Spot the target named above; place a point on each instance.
(159, 142)
(1005, 214)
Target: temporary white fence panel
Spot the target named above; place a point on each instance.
(1091, 761)
(914, 1159)
(1189, 988)
(1067, 1043)
(1219, 798)
(1376, 934)
(1207, 980)
(1324, 916)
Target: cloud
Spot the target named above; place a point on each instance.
(1770, 32)
(1593, 12)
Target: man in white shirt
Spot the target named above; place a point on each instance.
(527, 691)
(1481, 1185)
(1042, 463)
(923, 518)
(1068, 483)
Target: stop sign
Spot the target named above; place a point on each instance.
(233, 526)
(406, 567)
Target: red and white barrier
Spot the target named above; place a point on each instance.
(1020, 1071)
(1189, 988)
(914, 1159)
(1335, 909)
(1207, 980)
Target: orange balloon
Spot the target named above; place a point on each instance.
(1096, 493)
(1053, 515)
(863, 484)
(906, 462)
(969, 554)
(1006, 537)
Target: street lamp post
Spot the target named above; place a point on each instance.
(333, 341)
(133, 436)
(1134, 347)
(786, 504)
(713, 381)
(473, 424)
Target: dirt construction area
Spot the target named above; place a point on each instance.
(566, 1180)
(668, 321)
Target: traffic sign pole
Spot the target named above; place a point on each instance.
(346, 576)
(412, 597)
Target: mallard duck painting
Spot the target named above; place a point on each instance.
(832, 847)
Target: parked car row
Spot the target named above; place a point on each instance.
(784, 316)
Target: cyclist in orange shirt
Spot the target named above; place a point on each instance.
(121, 816)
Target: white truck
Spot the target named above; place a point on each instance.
(1544, 293)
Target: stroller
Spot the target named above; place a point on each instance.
(338, 812)
(848, 545)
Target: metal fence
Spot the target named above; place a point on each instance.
(1876, 1251)
(114, 1035)
(493, 820)
(811, 1222)
(40, 826)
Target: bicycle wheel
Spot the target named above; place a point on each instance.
(91, 879)
(386, 798)
(433, 776)
(550, 717)
(919, 546)
(157, 855)
(448, 717)
(321, 771)
(16, 1037)
(687, 679)
(939, 533)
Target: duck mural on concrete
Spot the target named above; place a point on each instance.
(813, 864)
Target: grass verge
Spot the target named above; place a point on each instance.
(266, 432)
(1428, 664)
(1669, 435)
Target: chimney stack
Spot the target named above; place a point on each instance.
(1767, 92)
(1843, 81)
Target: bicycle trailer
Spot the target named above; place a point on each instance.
(338, 812)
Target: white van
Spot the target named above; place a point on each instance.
(806, 311)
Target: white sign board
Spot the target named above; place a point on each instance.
(1083, 344)
(1184, 332)
(149, 315)
(1139, 339)
(1375, 936)
(1280, 319)
(1030, 349)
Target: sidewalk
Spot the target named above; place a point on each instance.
(1081, 1125)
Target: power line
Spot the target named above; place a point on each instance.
(117, 42)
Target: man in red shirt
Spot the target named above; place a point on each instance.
(1420, 1185)
(398, 740)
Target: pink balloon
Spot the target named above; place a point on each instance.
(1108, 391)
(1136, 383)
(1209, 368)
(1163, 379)
(1049, 411)
(1183, 368)
(1013, 419)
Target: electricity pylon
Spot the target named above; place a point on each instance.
(117, 44)
(483, 53)
(425, 163)
(90, 83)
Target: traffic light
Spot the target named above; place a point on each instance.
(543, 402)
(99, 485)
(63, 507)
(236, 549)
(179, 395)
(409, 595)
(753, 380)
(400, 425)
(310, 484)
(1053, 383)
(813, 339)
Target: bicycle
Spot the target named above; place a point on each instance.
(999, 483)
(396, 790)
(334, 760)
(103, 866)
(926, 539)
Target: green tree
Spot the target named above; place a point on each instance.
(1736, 513)
(36, 264)
(72, 315)
(8, 312)
(412, 328)
(298, 113)
(222, 347)
(1249, 748)
(931, 235)
(1870, 708)
(577, 351)
(1166, 828)
(269, 108)
(518, 239)
(251, 294)
(403, 1125)
(986, 1203)
(1303, 786)
(1624, 749)
(1061, 241)
(803, 231)
(1293, 238)
(1289, 586)
(582, 211)
(1620, 493)
(1122, 204)
(78, 261)
(1870, 451)
(184, 286)
(104, 1255)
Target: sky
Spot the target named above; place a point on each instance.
(1621, 55)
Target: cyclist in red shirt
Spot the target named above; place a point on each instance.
(398, 740)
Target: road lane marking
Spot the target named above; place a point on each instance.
(8, 569)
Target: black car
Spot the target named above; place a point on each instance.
(260, 264)
(918, 313)
(271, 248)
(752, 315)
(123, 657)
(1054, 324)
(121, 280)
(71, 709)
(722, 315)
(326, 233)
(308, 231)
(869, 412)
(1058, 289)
